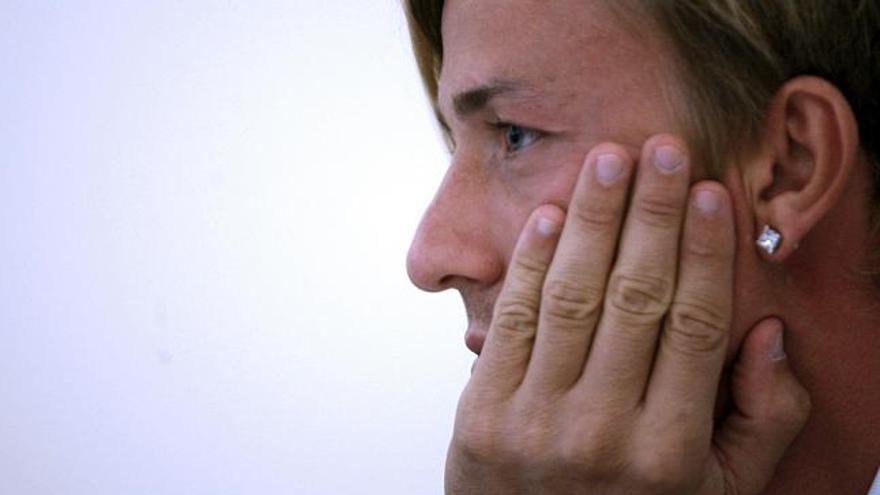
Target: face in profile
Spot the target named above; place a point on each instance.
(527, 88)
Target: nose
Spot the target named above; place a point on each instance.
(454, 244)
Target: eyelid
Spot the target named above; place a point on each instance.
(503, 126)
(445, 129)
(498, 126)
(446, 132)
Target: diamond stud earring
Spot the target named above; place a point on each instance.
(769, 240)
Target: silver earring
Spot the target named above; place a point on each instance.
(769, 240)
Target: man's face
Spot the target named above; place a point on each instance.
(528, 87)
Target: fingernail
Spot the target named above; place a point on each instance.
(708, 202)
(548, 226)
(609, 168)
(668, 158)
(777, 348)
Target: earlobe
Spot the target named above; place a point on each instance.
(810, 145)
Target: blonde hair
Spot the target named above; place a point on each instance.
(733, 56)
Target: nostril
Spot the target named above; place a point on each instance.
(445, 282)
(426, 281)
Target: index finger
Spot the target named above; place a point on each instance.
(506, 353)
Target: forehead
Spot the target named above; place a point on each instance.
(566, 48)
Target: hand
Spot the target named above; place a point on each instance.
(602, 364)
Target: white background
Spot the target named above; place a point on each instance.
(205, 208)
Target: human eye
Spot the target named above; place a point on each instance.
(517, 138)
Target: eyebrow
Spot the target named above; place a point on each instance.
(476, 99)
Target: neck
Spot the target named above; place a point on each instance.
(833, 337)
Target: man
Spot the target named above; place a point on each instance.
(609, 285)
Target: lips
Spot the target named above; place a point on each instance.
(474, 340)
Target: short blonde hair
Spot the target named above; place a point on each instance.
(733, 56)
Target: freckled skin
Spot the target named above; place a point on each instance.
(589, 80)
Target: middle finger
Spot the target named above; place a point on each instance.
(643, 279)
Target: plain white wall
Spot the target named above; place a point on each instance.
(204, 212)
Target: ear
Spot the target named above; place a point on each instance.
(810, 148)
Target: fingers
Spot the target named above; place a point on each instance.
(641, 285)
(771, 409)
(575, 285)
(508, 346)
(692, 346)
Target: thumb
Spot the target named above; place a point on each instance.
(770, 409)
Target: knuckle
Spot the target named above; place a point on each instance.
(503, 436)
(592, 216)
(590, 456)
(657, 210)
(528, 270)
(665, 472)
(803, 404)
(696, 328)
(477, 438)
(793, 408)
(530, 445)
(639, 294)
(705, 247)
(567, 302)
(515, 314)
(598, 443)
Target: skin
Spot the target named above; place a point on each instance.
(603, 92)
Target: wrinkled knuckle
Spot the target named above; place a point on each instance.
(657, 210)
(639, 294)
(705, 247)
(515, 314)
(696, 328)
(593, 217)
(529, 269)
(567, 302)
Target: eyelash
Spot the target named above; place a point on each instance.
(506, 129)
(503, 127)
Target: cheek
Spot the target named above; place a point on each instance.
(749, 302)
(546, 175)
(511, 202)
(540, 177)
(509, 208)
